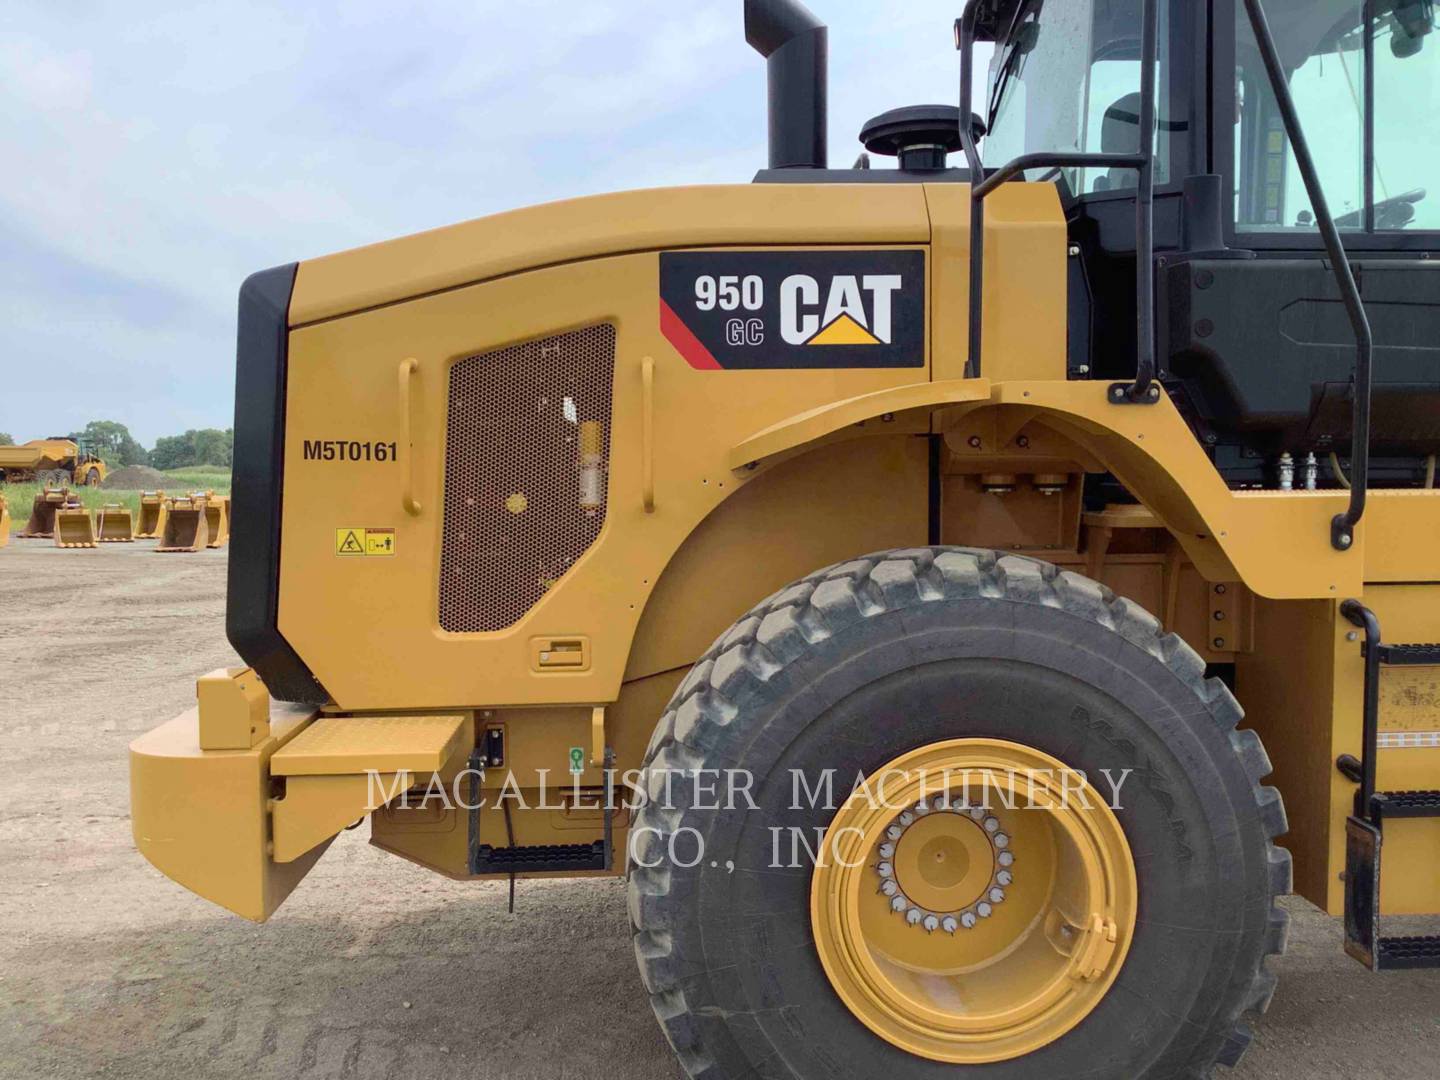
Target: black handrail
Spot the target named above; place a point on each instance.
(1342, 527)
(1143, 389)
(1361, 616)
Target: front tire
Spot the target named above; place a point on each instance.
(866, 662)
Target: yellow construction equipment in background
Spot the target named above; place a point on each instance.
(114, 524)
(152, 516)
(57, 460)
(217, 518)
(74, 527)
(42, 512)
(186, 524)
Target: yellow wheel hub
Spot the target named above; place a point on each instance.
(974, 901)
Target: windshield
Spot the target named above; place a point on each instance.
(1066, 76)
(1323, 45)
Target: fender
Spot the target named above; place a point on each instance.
(1276, 542)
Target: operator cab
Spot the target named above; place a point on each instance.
(1253, 340)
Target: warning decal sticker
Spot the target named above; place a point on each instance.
(794, 309)
(363, 542)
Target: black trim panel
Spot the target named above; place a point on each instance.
(252, 605)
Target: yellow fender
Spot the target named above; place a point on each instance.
(1276, 542)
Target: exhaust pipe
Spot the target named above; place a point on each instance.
(794, 44)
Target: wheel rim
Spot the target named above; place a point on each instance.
(974, 901)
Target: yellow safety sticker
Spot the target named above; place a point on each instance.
(362, 542)
(379, 541)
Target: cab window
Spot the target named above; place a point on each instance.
(1323, 44)
(1067, 77)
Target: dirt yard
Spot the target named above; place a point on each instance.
(374, 968)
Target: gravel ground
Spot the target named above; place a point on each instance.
(374, 967)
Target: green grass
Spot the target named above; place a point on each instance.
(214, 478)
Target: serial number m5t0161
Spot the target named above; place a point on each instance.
(349, 450)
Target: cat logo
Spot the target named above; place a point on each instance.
(857, 309)
(778, 309)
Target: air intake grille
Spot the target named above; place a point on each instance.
(528, 444)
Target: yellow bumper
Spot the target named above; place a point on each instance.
(236, 800)
(201, 816)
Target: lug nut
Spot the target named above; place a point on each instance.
(889, 888)
(968, 920)
(984, 909)
(948, 924)
(893, 832)
(899, 903)
(931, 924)
(922, 808)
(907, 818)
(942, 803)
(1002, 840)
(887, 851)
(913, 916)
(997, 895)
(886, 870)
(1007, 858)
(1004, 877)
(992, 824)
(978, 814)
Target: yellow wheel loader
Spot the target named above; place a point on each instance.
(893, 572)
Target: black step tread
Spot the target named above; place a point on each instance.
(539, 858)
(1408, 803)
(1410, 654)
(1410, 952)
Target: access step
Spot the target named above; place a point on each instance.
(1398, 953)
(515, 858)
(1412, 655)
(541, 858)
(1405, 804)
(1365, 830)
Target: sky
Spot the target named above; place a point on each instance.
(156, 154)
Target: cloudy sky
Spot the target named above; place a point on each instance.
(156, 154)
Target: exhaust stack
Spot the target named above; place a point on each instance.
(794, 44)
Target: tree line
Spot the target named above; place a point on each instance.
(117, 447)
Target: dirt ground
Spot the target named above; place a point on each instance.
(374, 967)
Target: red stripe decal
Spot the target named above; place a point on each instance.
(685, 342)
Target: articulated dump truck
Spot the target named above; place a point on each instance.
(57, 460)
(892, 572)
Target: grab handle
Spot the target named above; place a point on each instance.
(647, 434)
(408, 367)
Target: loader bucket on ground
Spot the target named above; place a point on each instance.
(217, 519)
(114, 524)
(74, 527)
(42, 512)
(185, 526)
(152, 516)
(4, 521)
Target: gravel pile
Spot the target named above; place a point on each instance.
(134, 478)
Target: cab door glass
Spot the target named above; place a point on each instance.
(1407, 118)
(1322, 44)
